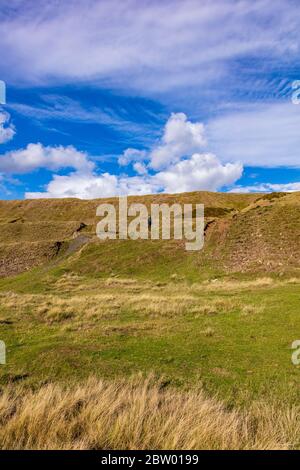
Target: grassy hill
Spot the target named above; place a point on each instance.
(221, 320)
(244, 233)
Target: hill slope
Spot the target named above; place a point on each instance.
(244, 233)
(224, 318)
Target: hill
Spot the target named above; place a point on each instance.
(212, 330)
(245, 233)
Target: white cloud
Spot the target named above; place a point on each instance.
(192, 52)
(201, 171)
(143, 45)
(132, 155)
(181, 138)
(7, 130)
(181, 168)
(267, 188)
(258, 135)
(92, 186)
(140, 168)
(36, 156)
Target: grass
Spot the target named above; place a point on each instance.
(210, 331)
(138, 414)
(234, 337)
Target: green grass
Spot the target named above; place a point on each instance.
(240, 349)
(168, 315)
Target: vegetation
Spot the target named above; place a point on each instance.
(210, 332)
(139, 414)
(231, 335)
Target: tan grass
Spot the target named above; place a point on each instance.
(215, 306)
(91, 306)
(230, 284)
(161, 305)
(209, 332)
(51, 308)
(137, 414)
(227, 284)
(252, 309)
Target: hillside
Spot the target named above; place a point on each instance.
(244, 233)
(211, 330)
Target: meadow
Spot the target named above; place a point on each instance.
(140, 345)
(227, 342)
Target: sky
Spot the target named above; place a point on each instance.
(107, 98)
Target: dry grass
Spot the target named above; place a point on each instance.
(159, 305)
(226, 284)
(252, 309)
(137, 414)
(53, 309)
(209, 332)
(107, 301)
(215, 306)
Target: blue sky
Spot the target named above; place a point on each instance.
(107, 97)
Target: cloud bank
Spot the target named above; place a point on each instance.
(173, 164)
(141, 45)
(36, 156)
(263, 135)
(193, 55)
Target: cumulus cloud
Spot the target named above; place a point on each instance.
(181, 138)
(131, 155)
(140, 168)
(201, 171)
(36, 156)
(181, 169)
(7, 130)
(93, 186)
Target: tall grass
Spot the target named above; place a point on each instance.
(137, 414)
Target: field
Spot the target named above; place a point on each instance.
(126, 344)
